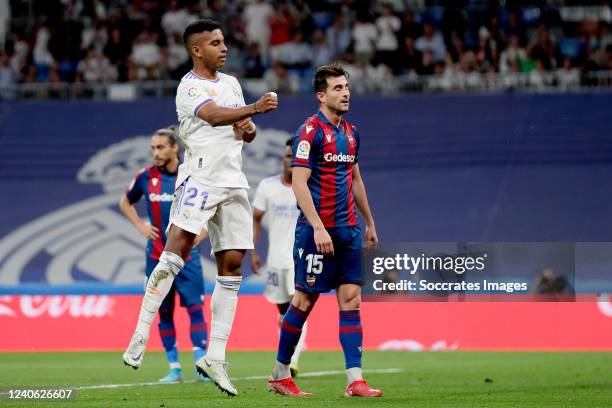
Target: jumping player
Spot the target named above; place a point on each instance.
(327, 251)
(210, 190)
(156, 185)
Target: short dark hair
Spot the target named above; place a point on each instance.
(199, 26)
(289, 142)
(327, 71)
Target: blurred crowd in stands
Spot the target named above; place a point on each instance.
(279, 43)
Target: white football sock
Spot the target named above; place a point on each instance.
(158, 286)
(281, 371)
(299, 347)
(353, 374)
(223, 304)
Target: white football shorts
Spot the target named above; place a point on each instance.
(226, 212)
(280, 285)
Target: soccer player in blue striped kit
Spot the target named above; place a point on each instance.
(327, 252)
(156, 185)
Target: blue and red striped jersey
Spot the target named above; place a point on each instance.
(157, 187)
(330, 152)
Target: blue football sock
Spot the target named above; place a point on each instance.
(291, 329)
(198, 329)
(351, 337)
(168, 334)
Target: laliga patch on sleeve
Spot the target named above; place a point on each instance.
(303, 150)
(193, 92)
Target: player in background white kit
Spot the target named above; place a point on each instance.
(210, 190)
(274, 198)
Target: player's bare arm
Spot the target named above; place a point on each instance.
(361, 199)
(300, 188)
(255, 259)
(147, 230)
(219, 116)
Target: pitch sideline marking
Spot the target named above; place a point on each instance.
(249, 378)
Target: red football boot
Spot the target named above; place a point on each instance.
(360, 388)
(287, 387)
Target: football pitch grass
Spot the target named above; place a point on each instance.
(427, 379)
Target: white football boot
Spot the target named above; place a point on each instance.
(217, 372)
(135, 352)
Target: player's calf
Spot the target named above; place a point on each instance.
(158, 286)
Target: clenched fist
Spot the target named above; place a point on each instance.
(267, 103)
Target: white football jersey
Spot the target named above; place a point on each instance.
(213, 154)
(280, 206)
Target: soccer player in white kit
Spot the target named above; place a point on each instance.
(275, 200)
(210, 190)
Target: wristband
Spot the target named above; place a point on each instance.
(252, 129)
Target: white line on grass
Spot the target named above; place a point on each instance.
(250, 378)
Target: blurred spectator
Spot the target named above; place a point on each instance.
(279, 79)
(302, 16)
(538, 76)
(118, 50)
(410, 58)
(235, 59)
(486, 55)
(7, 75)
(339, 36)
(568, 76)
(95, 67)
(253, 64)
(41, 55)
(512, 55)
(467, 76)
(145, 59)
(176, 18)
(256, 16)
(364, 36)
(409, 27)
(296, 54)
(5, 18)
(427, 65)
(433, 42)
(176, 56)
(513, 27)
(95, 9)
(388, 26)
(281, 27)
(321, 51)
(94, 33)
(545, 50)
(550, 283)
(477, 39)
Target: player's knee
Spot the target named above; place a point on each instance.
(230, 263)
(304, 301)
(179, 241)
(350, 300)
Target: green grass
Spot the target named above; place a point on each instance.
(442, 379)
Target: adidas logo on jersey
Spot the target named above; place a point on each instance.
(341, 158)
(160, 197)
